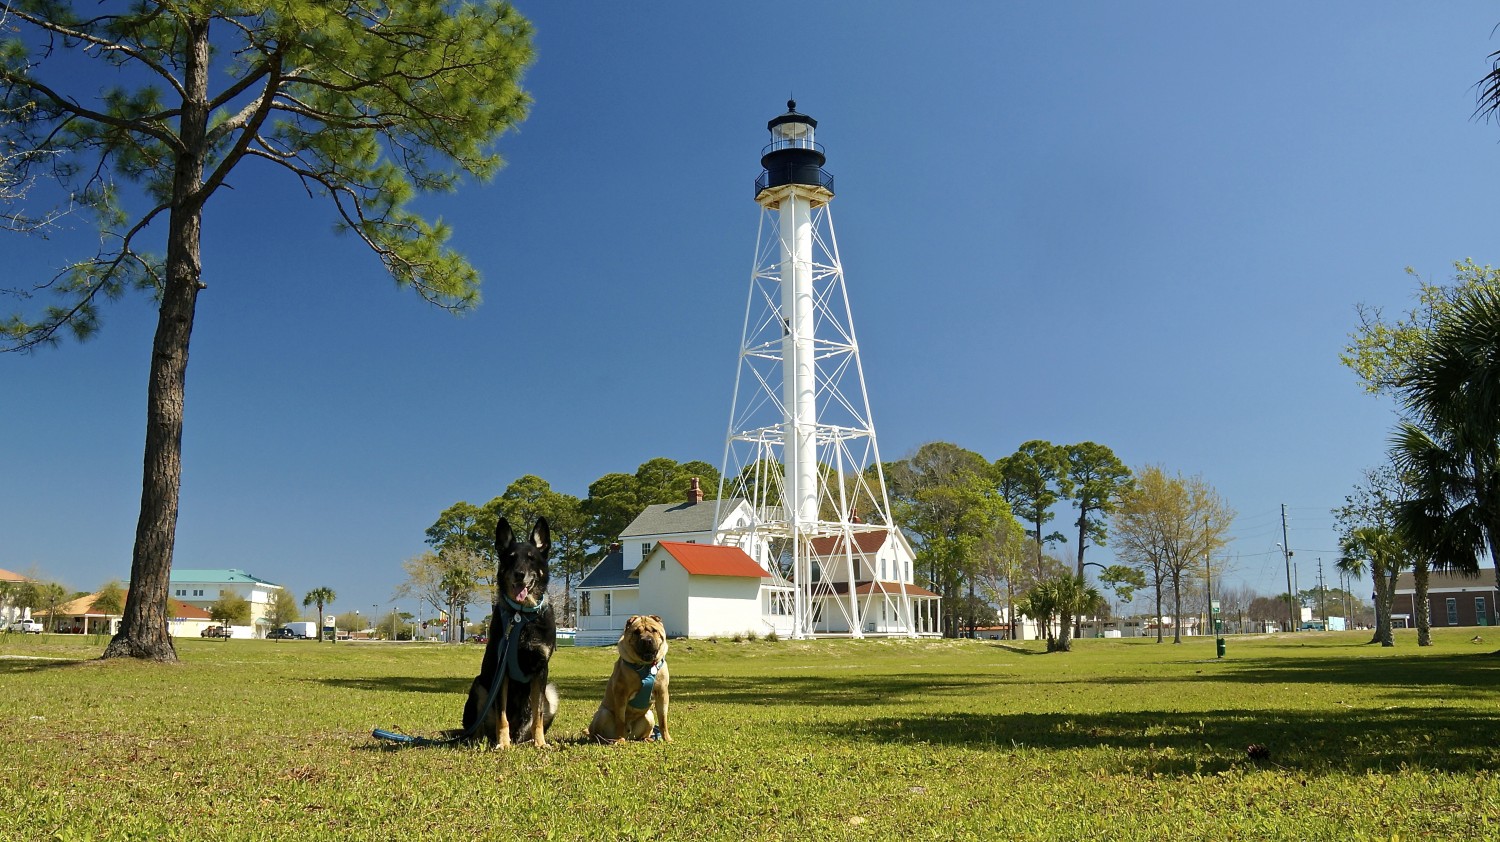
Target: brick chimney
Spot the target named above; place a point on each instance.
(695, 493)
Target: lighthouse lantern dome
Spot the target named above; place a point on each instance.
(792, 130)
(793, 156)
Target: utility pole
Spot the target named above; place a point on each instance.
(1286, 557)
(1322, 595)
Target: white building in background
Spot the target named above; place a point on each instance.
(200, 588)
(620, 585)
(10, 608)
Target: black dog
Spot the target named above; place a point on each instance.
(523, 636)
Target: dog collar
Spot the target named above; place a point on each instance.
(642, 699)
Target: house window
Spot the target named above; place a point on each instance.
(645, 550)
(780, 603)
(882, 571)
(663, 564)
(182, 592)
(1481, 616)
(908, 573)
(1452, 610)
(817, 571)
(198, 592)
(606, 604)
(583, 603)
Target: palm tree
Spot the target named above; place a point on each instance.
(1060, 599)
(1040, 604)
(322, 597)
(1450, 450)
(1384, 555)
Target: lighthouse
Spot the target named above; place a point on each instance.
(801, 445)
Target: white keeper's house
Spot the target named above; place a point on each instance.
(682, 563)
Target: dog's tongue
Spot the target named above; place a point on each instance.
(521, 595)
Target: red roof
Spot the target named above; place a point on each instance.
(863, 588)
(866, 543)
(176, 608)
(714, 560)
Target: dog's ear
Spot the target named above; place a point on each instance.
(656, 618)
(541, 536)
(505, 538)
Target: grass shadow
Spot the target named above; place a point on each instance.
(398, 684)
(1163, 742)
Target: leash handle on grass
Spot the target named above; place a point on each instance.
(394, 737)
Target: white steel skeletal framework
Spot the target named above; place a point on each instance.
(801, 446)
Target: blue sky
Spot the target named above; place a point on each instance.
(1141, 224)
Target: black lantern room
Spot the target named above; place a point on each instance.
(793, 156)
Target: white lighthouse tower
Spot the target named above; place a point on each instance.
(801, 445)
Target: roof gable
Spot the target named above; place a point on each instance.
(1445, 580)
(177, 609)
(610, 572)
(680, 518)
(8, 576)
(217, 576)
(711, 560)
(865, 543)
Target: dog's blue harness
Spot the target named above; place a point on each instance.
(647, 672)
(513, 618)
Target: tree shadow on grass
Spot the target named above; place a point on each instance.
(840, 690)
(1196, 743)
(571, 688)
(1474, 676)
(398, 684)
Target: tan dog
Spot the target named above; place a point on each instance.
(637, 684)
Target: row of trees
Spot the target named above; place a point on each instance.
(1435, 504)
(980, 530)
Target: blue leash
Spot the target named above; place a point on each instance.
(513, 620)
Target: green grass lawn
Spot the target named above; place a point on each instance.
(1120, 739)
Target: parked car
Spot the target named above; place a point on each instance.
(216, 631)
(26, 626)
(281, 634)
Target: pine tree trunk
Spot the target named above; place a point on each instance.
(1420, 605)
(143, 628)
